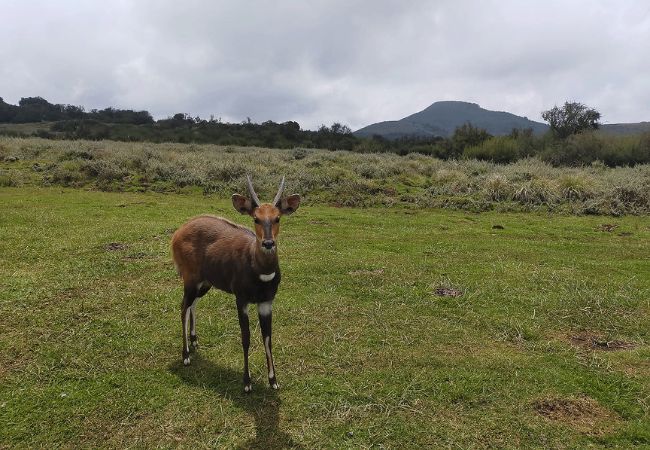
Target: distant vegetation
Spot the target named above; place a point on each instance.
(442, 118)
(572, 118)
(339, 178)
(569, 143)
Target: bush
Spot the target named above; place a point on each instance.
(536, 192)
(68, 173)
(11, 178)
(104, 171)
(497, 188)
(500, 149)
(575, 187)
(577, 150)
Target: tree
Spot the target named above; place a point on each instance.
(570, 119)
(337, 128)
(467, 135)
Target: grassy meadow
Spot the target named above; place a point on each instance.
(337, 178)
(398, 324)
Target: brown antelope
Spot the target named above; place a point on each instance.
(211, 251)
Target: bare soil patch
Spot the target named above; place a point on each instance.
(596, 342)
(447, 292)
(581, 413)
(115, 246)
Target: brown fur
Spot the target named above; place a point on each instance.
(210, 251)
(226, 255)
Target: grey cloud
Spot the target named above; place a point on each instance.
(356, 62)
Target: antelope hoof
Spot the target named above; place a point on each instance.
(194, 341)
(186, 361)
(273, 383)
(248, 388)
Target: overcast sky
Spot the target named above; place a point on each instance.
(354, 62)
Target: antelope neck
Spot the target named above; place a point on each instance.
(265, 263)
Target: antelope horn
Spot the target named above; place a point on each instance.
(256, 200)
(279, 194)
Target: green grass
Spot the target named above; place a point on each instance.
(366, 354)
(328, 177)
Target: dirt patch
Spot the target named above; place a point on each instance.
(366, 272)
(497, 227)
(115, 246)
(447, 292)
(607, 227)
(581, 413)
(596, 342)
(318, 222)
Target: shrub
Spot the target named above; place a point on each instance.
(11, 178)
(299, 153)
(497, 188)
(500, 149)
(75, 154)
(68, 173)
(451, 182)
(575, 187)
(225, 171)
(535, 192)
(103, 170)
(577, 150)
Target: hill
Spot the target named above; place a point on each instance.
(626, 128)
(442, 118)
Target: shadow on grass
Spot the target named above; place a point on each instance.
(263, 403)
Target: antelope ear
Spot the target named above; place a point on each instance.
(289, 204)
(242, 204)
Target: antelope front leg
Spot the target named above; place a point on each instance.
(194, 340)
(189, 297)
(264, 311)
(242, 314)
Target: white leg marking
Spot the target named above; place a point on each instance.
(245, 309)
(264, 309)
(193, 312)
(248, 388)
(268, 356)
(186, 361)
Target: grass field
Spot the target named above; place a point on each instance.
(548, 346)
(328, 177)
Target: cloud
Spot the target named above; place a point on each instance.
(356, 62)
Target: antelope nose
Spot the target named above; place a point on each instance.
(268, 243)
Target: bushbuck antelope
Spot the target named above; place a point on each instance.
(211, 251)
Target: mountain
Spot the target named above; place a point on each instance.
(442, 118)
(626, 128)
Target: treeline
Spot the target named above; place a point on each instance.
(578, 149)
(566, 144)
(37, 109)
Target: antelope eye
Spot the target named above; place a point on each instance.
(257, 220)
(277, 220)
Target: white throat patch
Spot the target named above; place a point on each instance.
(267, 277)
